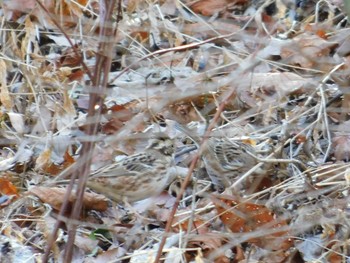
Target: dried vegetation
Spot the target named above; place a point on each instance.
(273, 75)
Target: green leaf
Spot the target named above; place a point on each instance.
(100, 232)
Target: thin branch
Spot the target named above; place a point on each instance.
(100, 81)
(75, 50)
(189, 175)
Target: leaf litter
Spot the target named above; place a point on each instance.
(271, 73)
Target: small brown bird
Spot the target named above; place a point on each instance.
(224, 160)
(138, 176)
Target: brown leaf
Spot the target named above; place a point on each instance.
(7, 188)
(197, 224)
(76, 75)
(208, 244)
(5, 98)
(121, 112)
(335, 251)
(54, 196)
(211, 7)
(44, 160)
(217, 27)
(257, 88)
(70, 59)
(44, 163)
(341, 147)
(241, 217)
(14, 8)
(186, 111)
(309, 51)
(117, 115)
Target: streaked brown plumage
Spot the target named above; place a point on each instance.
(138, 176)
(224, 160)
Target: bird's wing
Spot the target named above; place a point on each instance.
(227, 154)
(139, 162)
(130, 165)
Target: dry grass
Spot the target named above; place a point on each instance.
(226, 69)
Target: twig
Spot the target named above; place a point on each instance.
(75, 50)
(99, 82)
(189, 175)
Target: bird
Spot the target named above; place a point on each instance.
(224, 160)
(138, 176)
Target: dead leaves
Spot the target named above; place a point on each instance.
(207, 245)
(13, 9)
(7, 188)
(45, 164)
(54, 197)
(341, 147)
(261, 89)
(211, 7)
(245, 218)
(310, 51)
(116, 115)
(4, 92)
(183, 112)
(8, 191)
(272, 76)
(16, 8)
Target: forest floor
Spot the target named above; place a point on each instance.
(273, 75)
